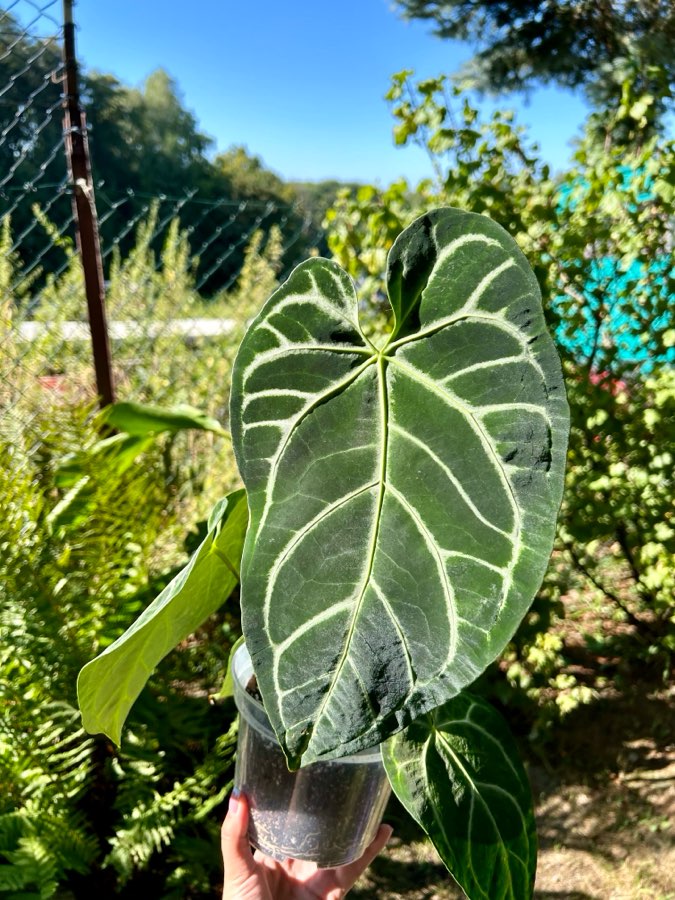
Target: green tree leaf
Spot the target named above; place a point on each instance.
(108, 685)
(458, 773)
(227, 688)
(117, 453)
(403, 500)
(140, 419)
(575, 45)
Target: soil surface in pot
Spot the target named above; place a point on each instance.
(253, 690)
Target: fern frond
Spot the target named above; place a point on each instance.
(71, 844)
(56, 841)
(48, 758)
(12, 828)
(151, 828)
(31, 865)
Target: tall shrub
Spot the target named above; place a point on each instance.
(600, 239)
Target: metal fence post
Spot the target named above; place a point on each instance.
(77, 152)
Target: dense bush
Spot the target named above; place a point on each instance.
(88, 537)
(75, 811)
(600, 239)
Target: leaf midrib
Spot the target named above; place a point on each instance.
(384, 417)
(382, 358)
(504, 851)
(429, 743)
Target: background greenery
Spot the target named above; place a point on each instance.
(89, 536)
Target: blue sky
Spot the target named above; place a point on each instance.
(300, 82)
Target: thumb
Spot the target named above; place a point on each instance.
(237, 857)
(352, 871)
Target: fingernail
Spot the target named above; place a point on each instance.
(233, 805)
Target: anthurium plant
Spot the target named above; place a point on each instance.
(402, 498)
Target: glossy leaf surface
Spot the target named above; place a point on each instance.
(403, 500)
(108, 685)
(458, 773)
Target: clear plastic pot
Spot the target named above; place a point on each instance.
(327, 812)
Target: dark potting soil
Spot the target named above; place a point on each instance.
(326, 812)
(253, 690)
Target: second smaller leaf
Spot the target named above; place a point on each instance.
(458, 773)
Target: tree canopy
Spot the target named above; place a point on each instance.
(145, 146)
(574, 43)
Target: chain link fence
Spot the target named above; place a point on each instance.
(183, 271)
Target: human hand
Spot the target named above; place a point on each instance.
(254, 876)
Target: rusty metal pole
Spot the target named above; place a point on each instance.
(77, 152)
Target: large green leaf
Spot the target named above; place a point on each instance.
(108, 685)
(403, 500)
(457, 772)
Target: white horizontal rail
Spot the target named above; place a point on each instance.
(121, 330)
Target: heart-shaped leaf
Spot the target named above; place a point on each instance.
(458, 773)
(403, 500)
(108, 685)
